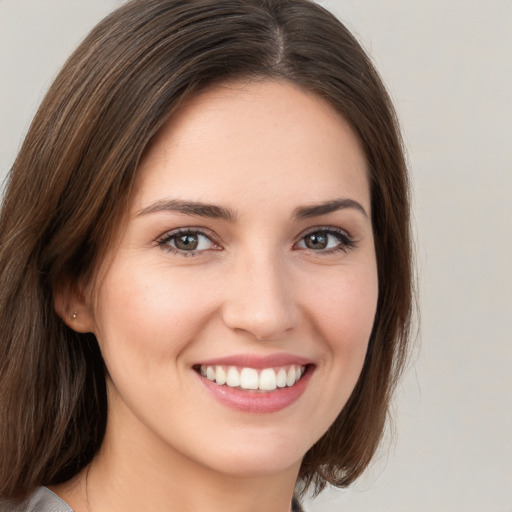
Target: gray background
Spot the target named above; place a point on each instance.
(448, 65)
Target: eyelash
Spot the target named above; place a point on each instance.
(164, 242)
(346, 242)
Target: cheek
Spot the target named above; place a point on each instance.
(342, 306)
(346, 305)
(145, 312)
(345, 312)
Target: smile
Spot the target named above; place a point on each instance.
(264, 379)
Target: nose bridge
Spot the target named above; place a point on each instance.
(261, 300)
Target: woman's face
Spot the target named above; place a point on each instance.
(235, 313)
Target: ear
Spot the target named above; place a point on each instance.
(73, 305)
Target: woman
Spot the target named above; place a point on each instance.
(205, 265)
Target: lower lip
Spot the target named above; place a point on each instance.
(258, 402)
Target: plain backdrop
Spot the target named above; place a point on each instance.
(448, 66)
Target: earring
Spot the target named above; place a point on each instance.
(75, 314)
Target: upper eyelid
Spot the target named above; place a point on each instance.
(331, 229)
(168, 235)
(177, 231)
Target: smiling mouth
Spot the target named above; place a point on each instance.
(251, 379)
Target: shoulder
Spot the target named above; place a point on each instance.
(43, 500)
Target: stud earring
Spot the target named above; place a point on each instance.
(75, 314)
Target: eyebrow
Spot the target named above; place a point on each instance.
(315, 210)
(194, 208)
(212, 211)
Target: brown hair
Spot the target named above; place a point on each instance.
(71, 182)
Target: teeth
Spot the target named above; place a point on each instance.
(281, 378)
(220, 375)
(233, 378)
(290, 377)
(266, 379)
(249, 378)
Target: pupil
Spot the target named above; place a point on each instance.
(316, 241)
(187, 242)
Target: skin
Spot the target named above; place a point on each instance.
(262, 150)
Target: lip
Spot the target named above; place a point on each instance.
(258, 362)
(258, 402)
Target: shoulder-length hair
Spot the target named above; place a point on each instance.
(71, 183)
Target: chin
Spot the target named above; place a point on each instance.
(260, 455)
(259, 463)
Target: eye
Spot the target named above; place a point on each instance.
(187, 242)
(326, 240)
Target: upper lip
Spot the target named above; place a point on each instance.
(257, 361)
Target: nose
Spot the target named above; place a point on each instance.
(261, 300)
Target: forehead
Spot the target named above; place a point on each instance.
(266, 139)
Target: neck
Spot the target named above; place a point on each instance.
(134, 471)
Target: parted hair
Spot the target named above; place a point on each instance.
(71, 183)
